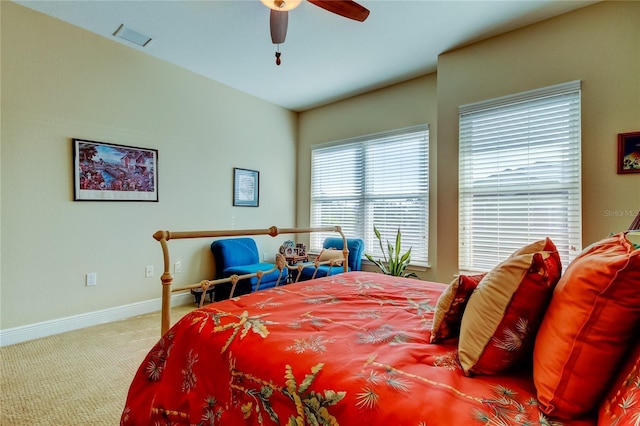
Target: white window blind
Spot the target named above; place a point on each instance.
(520, 175)
(379, 180)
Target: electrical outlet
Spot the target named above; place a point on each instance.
(148, 271)
(177, 267)
(92, 279)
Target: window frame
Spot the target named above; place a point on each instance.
(367, 204)
(522, 113)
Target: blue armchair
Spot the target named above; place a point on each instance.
(356, 250)
(240, 256)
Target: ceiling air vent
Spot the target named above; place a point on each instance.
(132, 36)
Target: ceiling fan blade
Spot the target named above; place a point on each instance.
(347, 8)
(278, 22)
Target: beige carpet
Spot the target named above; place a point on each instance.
(77, 378)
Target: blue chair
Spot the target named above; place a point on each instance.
(239, 256)
(356, 250)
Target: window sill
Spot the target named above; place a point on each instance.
(415, 266)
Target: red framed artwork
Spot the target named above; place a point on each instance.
(109, 172)
(629, 152)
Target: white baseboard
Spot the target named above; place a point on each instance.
(14, 335)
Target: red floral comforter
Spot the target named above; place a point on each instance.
(351, 349)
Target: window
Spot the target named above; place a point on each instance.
(519, 175)
(379, 180)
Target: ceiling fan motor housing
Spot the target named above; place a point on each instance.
(279, 17)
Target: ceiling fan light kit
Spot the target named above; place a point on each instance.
(279, 16)
(281, 5)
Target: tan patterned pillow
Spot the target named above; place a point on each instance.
(334, 255)
(503, 314)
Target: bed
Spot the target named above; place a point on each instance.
(358, 348)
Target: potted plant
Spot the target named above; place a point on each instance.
(393, 264)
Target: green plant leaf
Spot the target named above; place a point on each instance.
(379, 237)
(375, 231)
(378, 263)
(406, 258)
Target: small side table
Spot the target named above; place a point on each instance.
(197, 294)
(293, 260)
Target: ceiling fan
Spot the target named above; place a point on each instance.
(279, 18)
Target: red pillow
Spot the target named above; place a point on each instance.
(502, 316)
(450, 306)
(621, 407)
(589, 324)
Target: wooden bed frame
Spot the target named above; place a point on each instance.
(167, 279)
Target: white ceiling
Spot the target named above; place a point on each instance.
(324, 58)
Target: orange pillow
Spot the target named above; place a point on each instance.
(621, 406)
(589, 324)
(503, 313)
(450, 306)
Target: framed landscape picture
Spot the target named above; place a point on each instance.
(246, 187)
(110, 172)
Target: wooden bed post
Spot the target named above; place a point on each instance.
(166, 279)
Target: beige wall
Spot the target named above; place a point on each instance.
(402, 105)
(61, 82)
(599, 45)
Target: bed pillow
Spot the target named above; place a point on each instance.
(621, 406)
(588, 326)
(450, 306)
(331, 254)
(503, 313)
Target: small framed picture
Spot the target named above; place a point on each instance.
(629, 152)
(246, 187)
(109, 172)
